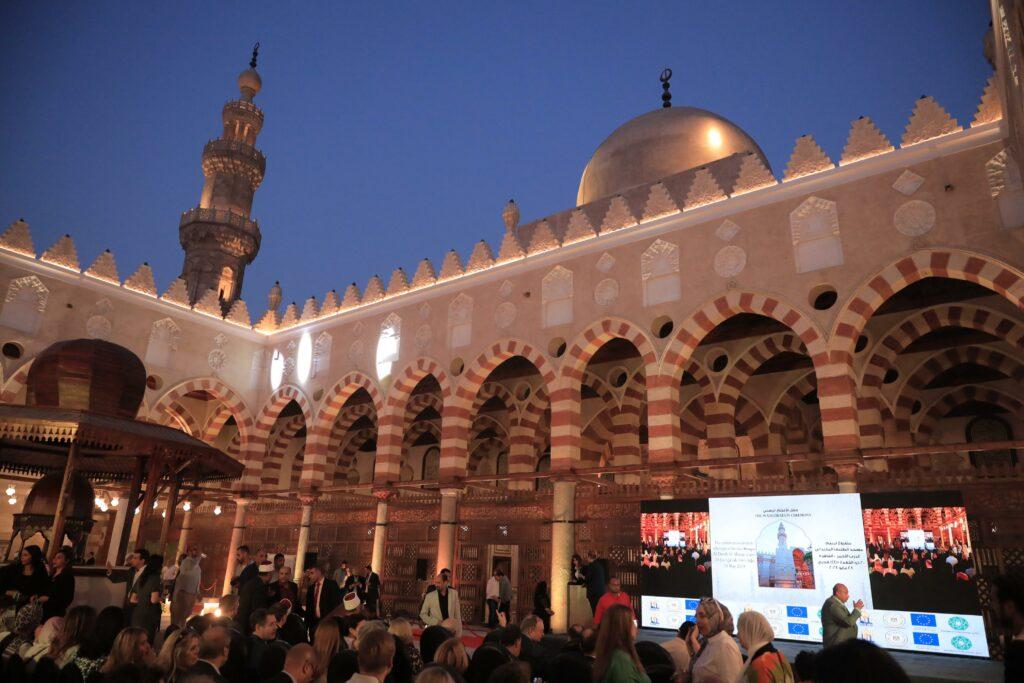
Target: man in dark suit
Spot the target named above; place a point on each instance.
(238, 655)
(371, 593)
(322, 596)
(254, 595)
(214, 645)
(597, 578)
(136, 563)
(299, 666)
(249, 567)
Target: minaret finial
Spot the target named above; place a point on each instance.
(255, 54)
(666, 96)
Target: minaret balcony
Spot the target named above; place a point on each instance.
(227, 154)
(232, 232)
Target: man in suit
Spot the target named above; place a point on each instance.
(837, 622)
(249, 567)
(214, 646)
(371, 593)
(136, 563)
(254, 595)
(299, 666)
(322, 597)
(441, 604)
(597, 579)
(234, 668)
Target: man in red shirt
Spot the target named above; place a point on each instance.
(614, 596)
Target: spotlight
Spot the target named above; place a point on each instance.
(9, 491)
(154, 504)
(115, 501)
(217, 510)
(12, 501)
(164, 514)
(186, 506)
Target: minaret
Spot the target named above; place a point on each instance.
(218, 236)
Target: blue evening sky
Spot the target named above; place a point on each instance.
(396, 131)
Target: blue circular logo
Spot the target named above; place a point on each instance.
(958, 623)
(962, 643)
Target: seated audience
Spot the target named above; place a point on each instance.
(615, 658)
(299, 666)
(452, 654)
(764, 662)
(97, 643)
(513, 672)
(78, 622)
(857, 661)
(130, 647)
(376, 653)
(402, 629)
(433, 673)
(490, 656)
(431, 639)
(679, 648)
(46, 633)
(716, 655)
(178, 655)
(803, 667)
(575, 664)
(62, 585)
(328, 645)
(290, 627)
(214, 649)
(23, 631)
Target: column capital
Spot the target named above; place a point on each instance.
(309, 497)
(384, 495)
(244, 502)
(452, 492)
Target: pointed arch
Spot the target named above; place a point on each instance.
(318, 436)
(927, 423)
(15, 384)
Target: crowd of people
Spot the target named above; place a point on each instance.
(912, 579)
(682, 570)
(272, 631)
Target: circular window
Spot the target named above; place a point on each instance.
(318, 394)
(353, 475)
(13, 350)
(154, 382)
(618, 376)
(457, 366)
(823, 297)
(916, 408)
(718, 361)
(523, 391)
(862, 343)
(662, 326)
(556, 347)
(891, 375)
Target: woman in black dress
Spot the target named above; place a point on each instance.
(62, 585)
(26, 579)
(542, 604)
(146, 596)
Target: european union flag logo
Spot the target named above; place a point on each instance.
(799, 629)
(691, 618)
(691, 605)
(917, 619)
(794, 612)
(931, 639)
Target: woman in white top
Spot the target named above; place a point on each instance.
(718, 656)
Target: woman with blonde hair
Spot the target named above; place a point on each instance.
(179, 653)
(615, 657)
(78, 622)
(131, 646)
(327, 644)
(764, 664)
(452, 653)
(401, 628)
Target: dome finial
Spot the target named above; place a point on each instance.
(255, 54)
(666, 96)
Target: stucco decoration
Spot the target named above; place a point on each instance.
(374, 290)
(1004, 184)
(451, 266)
(424, 311)
(579, 228)
(730, 261)
(62, 253)
(291, 315)
(989, 109)
(481, 258)
(807, 158)
(928, 121)
(218, 357)
(510, 248)
(352, 296)
(209, 303)
(289, 360)
(703, 190)
(322, 354)
(556, 296)
(164, 337)
(104, 268)
(814, 226)
(258, 367)
(659, 203)
(356, 353)
(460, 321)
(142, 281)
(18, 238)
(25, 304)
(542, 239)
(177, 293)
(98, 326)
(398, 283)
(606, 292)
(310, 310)
(331, 303)
(506, 289)
(753, 175)
(505, 314)
(618, 215)
(605, 263)
(908, 183)
(659, 270)
(914, 218)
(424, 335)
(727, 230)
(864, 141)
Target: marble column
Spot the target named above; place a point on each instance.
(380, 532)
(847, 475)
(186, 529)
(446, 534)
(563, 519)
(241, 507)
(304, 524)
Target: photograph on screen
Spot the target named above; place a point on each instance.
(919, 553)
(785, 556)
(675, 559)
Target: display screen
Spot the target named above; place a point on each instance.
(907, 556)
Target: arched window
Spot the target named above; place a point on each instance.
(460, 321)
(544, 465)
(227, 283)
(987, 428)
(387, 345)
(556, 297)
(25, 304)
(814, 227)
(431, 463)
(659, 269)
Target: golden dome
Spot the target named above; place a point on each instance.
(658, 144)
(249, 83)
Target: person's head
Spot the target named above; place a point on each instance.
(614, 585)
(165, 657)
(98, 641)
(316, 573)
(433, 673)
(841, 592)
(754, 631)
(532, 627)
(140, 558)
(453, 625)
(192, 551)
(452, 653)
(857, 660)
(278, 560)
(214, 645)
(199, 623)
(32, 556)
(131, 646)
(242, 554)
(684, 630)
(91, 555)
(344, 564)
(447, 574)
(401, 629)
(367, 626)
(186, 651)
(62, 558)
(510, 672)
(281, 609)
(229, 605)
(616, 632)
(441, 581)
(1008, 600)
(284, 574)
(263, 624)
(78, 621)
(261, 556)
(803, 666)
(327, 642)
(711, 618)
(301, 663)
(498, 573)
(577, 561)
(376, 652)
(351, 625)
(512, 639)
(368, 569)
(591, 555)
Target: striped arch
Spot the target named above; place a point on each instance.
(787, 408)
(318, 437)
(392, 417)
(279, 441)
(692, 429)
(750, 421)
(15, 384)
(491, 389)
(481, 446)
(566, 396)
(232, 402)
(914, 387)
(417, 404)
(215, 424)
(752, 359)
(418, 429)
(927, 423)
(258, 444)
(181, 417)
(525, 430)
(458, 413)
(346, 457)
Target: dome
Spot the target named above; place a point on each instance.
(249, 82)
(42, 499)
(658, 144)
(87, 374)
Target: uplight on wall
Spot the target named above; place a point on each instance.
(115, 501)
(217, 510)
(186, 506)
(10, 491)
(276, 369)
(304, 357)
